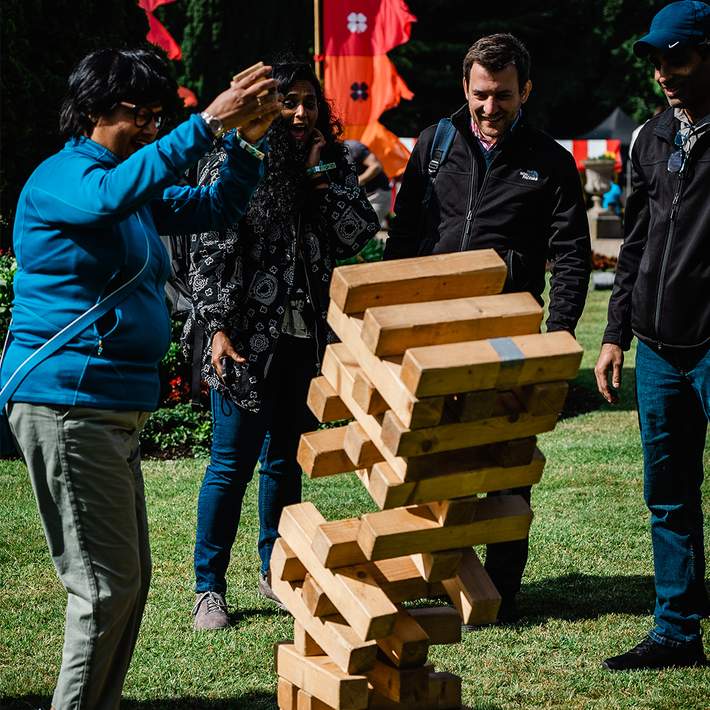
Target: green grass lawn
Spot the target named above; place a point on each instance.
(588, 590)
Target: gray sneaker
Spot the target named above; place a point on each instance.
(266, 591)
(210, 611)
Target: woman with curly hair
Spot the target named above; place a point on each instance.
(260, 292)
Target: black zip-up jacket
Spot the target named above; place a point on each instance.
(528, 206)
(662, 287)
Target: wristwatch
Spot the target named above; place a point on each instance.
(213, 123)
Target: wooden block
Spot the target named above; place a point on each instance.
(445, 691)
(315, 598)
(324, 402)
(335, 543)
(305, 644)
(426, 278)
(500, 363)
(361, 450)
(544, 397)
(320, 677)
(352, 590)
(435, 566)
(390, 330)
(384, 373)
(286, 695)
(329, 636)
(403, 685)
(472, 592)
(367, 396)
(405, 443)
(321, 453)
(469, 406)
(406, 531)
(442, 624)
(308, 702)
(286, 565)
(408, 644)
(458, 511)
(387, 492)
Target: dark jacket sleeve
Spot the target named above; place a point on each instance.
(344, 213)
(407, 230)
(569, 250)
(636, 221)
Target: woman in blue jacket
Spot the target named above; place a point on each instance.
(86, 235)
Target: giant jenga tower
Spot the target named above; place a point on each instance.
(442, 384)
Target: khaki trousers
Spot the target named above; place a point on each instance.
(85, 469)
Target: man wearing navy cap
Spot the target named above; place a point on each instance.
(662, 296)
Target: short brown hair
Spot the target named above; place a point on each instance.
(495, 52)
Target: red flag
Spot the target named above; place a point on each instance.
(157, 32)
(359, 77)
(188, 97)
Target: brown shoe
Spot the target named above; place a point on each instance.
(266, 591)
(210, 611)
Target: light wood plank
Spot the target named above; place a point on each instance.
(427, 278)
(324, 402)
(472, 592)
(463, 367)
(286, 695)
(305, 701)
(315, 598)
(408, 644)
(335, 543)
(321, 453)
(304, 643)
(361, 450)
(436, 566)
(287, 566)
(403, 685)
(442, 624)
(352, 590)
(390, 330)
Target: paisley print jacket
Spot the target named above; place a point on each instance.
(241, 284)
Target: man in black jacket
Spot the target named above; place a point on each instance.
(662, 295)
(507, 186)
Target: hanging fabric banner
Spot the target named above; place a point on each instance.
(359, 77)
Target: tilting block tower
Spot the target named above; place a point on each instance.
(440, 384)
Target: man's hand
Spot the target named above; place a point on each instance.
(610, 356)
(222, 348)
(255, 129)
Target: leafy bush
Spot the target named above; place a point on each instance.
(8, 266)
(177, 431)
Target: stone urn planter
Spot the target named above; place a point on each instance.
(600, 174)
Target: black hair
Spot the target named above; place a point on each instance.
(107, 76)
(495, 52)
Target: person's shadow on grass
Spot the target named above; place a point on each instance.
(583, 396)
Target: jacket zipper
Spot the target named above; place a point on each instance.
(666, 254)
(316, 316)
(472, 213)
(469, 211)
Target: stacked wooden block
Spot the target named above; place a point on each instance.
(442, 384)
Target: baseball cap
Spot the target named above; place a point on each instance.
(680, 24)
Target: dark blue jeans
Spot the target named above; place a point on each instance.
(673, 392)
(239, 439)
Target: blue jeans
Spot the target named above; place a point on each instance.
(673, 392)
(239, 439)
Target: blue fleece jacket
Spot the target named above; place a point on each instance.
(80, 230)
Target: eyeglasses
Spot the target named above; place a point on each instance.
(676, 160)
(143, 116)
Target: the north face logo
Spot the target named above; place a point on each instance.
(529, 175)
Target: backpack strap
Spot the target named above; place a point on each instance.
(70, 331)
(440, 146)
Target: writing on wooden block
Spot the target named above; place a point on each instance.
(472, 592)
(353, 592)
(320, 677)
(321, 453)
(471, 273)
(500, 363)
(324, 402)
(390, 330)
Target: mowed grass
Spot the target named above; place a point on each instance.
(588, 589)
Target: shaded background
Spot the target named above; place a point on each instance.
(583, 66)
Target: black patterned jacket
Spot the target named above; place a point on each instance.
(241, 284)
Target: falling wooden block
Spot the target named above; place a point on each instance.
(500, 363)
(388, 491)
(390, 330)
(403, 685)
(436, 566)
(408, 644)
(320, 677)
(286, 565)
(321, 453)
(331, 634)
(458, 275)
(442, 624)
(286, 695)
(406, 531)
(324, 402)
(403, 442)
(335, 543)
(352, 590)
(361, 450)
(472, 592)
